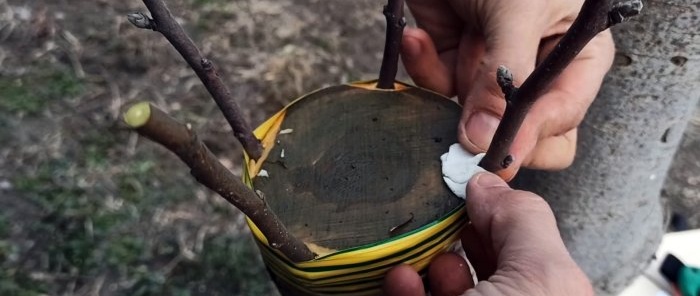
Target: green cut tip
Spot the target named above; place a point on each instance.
(138, 114)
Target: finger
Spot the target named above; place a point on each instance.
(562, 108)
(439, 20)
(553, 153)
(429, 56)
(403, 280)
(481, 257)
(423, 64)
(484, 191)
(448, 275)
(471, 50)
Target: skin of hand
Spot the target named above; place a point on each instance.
(513, 244)
(461, 43)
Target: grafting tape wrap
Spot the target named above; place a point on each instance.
(359, 270)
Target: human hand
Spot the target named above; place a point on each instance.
(462, 43)
(513, 244)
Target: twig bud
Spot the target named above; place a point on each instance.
(504, 78)
(207, 65)
(141, 21)
(624, 10)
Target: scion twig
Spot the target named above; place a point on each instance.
(595, 17)
(395, 22)
(164, 23)
(158, 126)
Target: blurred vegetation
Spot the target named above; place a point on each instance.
(22, 95)
(85, 227)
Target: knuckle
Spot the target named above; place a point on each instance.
(513, 204)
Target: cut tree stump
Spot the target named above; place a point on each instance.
(353, 166)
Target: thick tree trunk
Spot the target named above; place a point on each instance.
(607, 203)
(682, 188)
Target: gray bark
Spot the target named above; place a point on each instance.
(682, 188)
(607, 204)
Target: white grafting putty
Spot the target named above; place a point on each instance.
(458, 166)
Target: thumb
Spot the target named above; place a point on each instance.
(512, 220)
(521, 231)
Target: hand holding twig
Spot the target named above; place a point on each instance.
(595, 17)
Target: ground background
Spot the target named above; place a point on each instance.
(88, 208)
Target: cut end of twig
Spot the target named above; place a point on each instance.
(138, 114)
(504, 78)
(140, 20)
(624, 10)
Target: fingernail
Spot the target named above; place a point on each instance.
(487, 180)
(480, 129)
(410, 47)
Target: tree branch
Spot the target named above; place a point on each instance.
(595, 17)
(164, 23)
(158, 126)
(395, 22)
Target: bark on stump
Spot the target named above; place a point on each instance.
(607, 204)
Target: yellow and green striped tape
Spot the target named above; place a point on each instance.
(359, 270)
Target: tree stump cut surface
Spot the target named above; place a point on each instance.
(359, 163)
